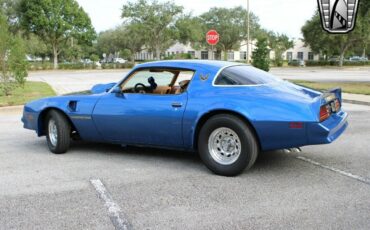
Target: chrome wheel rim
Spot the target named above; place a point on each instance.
(224, 146)
(53, 132)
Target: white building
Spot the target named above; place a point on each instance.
(299, 51)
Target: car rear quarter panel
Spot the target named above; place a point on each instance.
(270, 109)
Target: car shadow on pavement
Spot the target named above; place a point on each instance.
(273, 162)
(266, 161)
(133, 151)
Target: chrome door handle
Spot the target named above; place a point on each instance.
(176, 104)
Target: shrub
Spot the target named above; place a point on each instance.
(336, 63)
(260, 55)
(67, 66)
(278, 61)
(94, 57)
(76, 66)
(13, 70)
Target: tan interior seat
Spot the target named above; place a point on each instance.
(183, 85)
(162, 90)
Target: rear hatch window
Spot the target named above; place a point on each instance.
(244, 75)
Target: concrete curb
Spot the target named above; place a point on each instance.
(7, 109)
(11, 107)
(356, 102)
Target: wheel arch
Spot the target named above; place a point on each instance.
(42, 120)
(203, 119)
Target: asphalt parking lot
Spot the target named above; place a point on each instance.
(100, 186)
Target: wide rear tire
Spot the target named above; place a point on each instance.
(227, 145)
(58, 132)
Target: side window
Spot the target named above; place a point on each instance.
(244, 75)
(161, 79)
(157, 81)
(184, 76)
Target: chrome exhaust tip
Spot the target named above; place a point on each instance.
(293, 150)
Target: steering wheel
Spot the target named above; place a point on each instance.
(140, 88)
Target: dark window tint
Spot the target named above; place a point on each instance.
(204, 54)
(300, 55)
(289, 56)
(310, 56)
(244, 75)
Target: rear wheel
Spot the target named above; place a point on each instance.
(227, 145)
(58, 130)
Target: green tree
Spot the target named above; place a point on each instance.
(364, 15)
(9, 9)
(191, 30)
(231, 24)
(124, 40)
(106, 42)
(155, 22)
(133, 40)
(35, 47)
(260, 56)
(279, 43)
(328, 44)
(13, 66)
(94, 58)
(56, 22)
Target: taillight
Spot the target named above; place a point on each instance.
(324, 112)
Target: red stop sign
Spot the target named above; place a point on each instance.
(212, 37)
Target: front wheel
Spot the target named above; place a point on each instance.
(227, 145)
(58, 130)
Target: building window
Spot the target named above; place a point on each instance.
(310, 56)
(204, 55)
(300, 55)
(192, 53)
(289, 56)
(230, 55)
(243, 55)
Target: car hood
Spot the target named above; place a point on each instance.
(96, 89)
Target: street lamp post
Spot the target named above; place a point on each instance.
(247, 31)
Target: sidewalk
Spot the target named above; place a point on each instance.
(356, 98)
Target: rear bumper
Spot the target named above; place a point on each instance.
(329, 130)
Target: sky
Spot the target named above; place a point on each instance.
(282, 16)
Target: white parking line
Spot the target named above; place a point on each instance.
(344, 173)
(114, 210)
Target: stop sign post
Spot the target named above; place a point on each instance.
(212, 38)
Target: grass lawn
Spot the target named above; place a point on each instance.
(347, 87)
(31, 91)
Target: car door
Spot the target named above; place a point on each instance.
(136, 118)
(141, 119)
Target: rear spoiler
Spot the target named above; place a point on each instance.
(330, 95)
(325, 97)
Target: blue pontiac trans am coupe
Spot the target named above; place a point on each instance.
(228, 112)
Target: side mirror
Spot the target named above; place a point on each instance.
(102, 88)
(117, 90)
